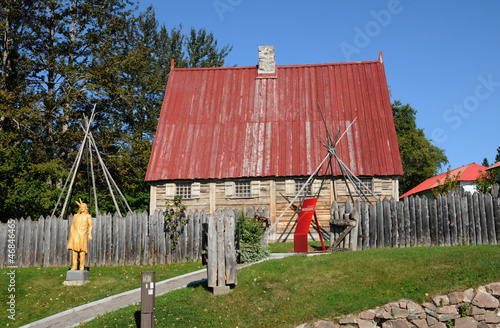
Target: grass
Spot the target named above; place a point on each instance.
(40, 291)
(294, 290)
(288, 246)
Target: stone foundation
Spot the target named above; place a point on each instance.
(467, 309)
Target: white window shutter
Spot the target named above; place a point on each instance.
(195, 190)
(290, 187)
(316, 186)
(255, 188)
(170, 190)
(229, 186)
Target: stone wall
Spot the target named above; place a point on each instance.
(468, 309)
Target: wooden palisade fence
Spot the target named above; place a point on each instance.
(455, 219)
(136, 239)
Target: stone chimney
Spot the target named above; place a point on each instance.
(267, 64)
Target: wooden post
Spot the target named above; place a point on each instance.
(496, 213)
(373, 225)
(446, 222)
(365, 225)
(433, 223)
(407, 222)
(380, 224)
(221, 266)
(477, 218)
(452, 219)
(401, 224)
(418, 221)
(426, 234)
(387, 224)
(458, 212)
(484, 227)
(488, 206)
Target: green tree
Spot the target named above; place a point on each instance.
(420, 158)
(60, 58)
(450, 183)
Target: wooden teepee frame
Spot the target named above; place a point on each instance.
(330, 144)
(74, 170)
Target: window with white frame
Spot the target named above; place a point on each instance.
(364, 186)
(242, 189)
(186, 190)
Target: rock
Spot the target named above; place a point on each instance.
(349, 319)
(491, 317)
(325, 324)
(482, 325)
(479, 317)
(430, 306)
(456, 297)
(366, 324)
(468, 295)
(414, 308)
(431, 313)
(304, 325)
(398, 323)
(485, 300)
(447, 316)
(367, 315)
(441, 300)
(494, 289)
(481, 289)
(440, 325)
(420, 323)
(431, 321)
(416, 316)
(475, 310)
(466, 322)
(449, 309)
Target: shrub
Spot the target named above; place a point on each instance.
(175, 219)
(251, 234)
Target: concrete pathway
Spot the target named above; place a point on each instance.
(73, 317)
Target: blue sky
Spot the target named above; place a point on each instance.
(441, 57)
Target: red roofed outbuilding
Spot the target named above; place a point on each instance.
(494, 166)
(467, 174)
(245, 136)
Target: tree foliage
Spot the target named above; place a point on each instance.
(450, 183)
(487, 179)
(420, 158)
(59, 59)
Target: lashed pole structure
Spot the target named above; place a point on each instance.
(330, 144)
(74, 170)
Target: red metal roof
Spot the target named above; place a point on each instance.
(232, 122)
(469, 172)
(494, 166)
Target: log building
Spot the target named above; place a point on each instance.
(248, 136)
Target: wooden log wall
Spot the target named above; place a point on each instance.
(136, 239)
(454, 219)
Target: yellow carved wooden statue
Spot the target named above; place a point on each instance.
(80, 233)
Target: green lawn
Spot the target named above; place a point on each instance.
(287, 292)
(288, 246)
(40, 291)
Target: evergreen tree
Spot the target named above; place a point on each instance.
(60, 58)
